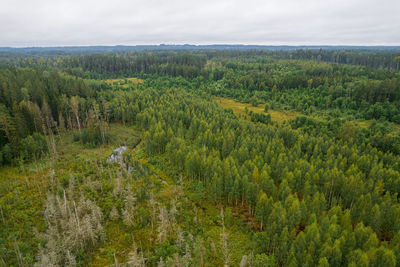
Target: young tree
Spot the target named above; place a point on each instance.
(263, 208)
(74, 105)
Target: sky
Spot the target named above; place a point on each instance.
(263, 22)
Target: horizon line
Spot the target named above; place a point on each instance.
(199, 45)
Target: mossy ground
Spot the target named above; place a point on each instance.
(240, 108)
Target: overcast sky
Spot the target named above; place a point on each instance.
(131, 22)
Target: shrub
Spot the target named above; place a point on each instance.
(33, 147)
(94, 137)
(266, 107)
(7, 154)
(260, 117)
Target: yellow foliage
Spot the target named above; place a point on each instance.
(125, 82)
(256, 174)
(240, 108)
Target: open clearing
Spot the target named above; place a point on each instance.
(240, 108)
(125, 82)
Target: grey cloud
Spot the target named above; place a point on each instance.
(100, 22)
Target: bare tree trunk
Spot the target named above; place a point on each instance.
(116, 261)
(69, 122)
(79, 124)
(18, 254)
(224, 240)
(2, 215)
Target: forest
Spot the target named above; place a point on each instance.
(200, 157)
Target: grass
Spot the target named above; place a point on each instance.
(240, 108)
(23, 194)
(366, 123)
(23, 190)
(281, 116)
(125, 82)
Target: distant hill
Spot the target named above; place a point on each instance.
(62, 50)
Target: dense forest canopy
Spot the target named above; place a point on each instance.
(201, 183)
